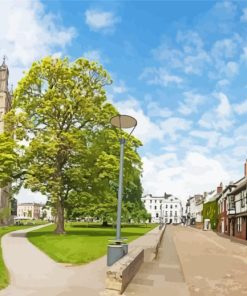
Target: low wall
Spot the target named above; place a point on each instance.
(158, 242)
(121, 273)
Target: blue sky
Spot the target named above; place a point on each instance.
(179, 67)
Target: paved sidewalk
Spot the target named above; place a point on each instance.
(33, 273)
(162, 276)
(213, 266)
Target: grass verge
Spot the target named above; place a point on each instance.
(82, 243)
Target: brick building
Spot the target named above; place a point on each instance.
(223, 221)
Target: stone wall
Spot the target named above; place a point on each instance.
(121, 273)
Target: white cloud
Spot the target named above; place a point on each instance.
(155, 110)
(28, 32)
(244, 54)
(211, 137)
(173, 125)
(191, 102)
(241, 108)
(224, 108)
(98, 20)
(160, 77)
(119, 88)
(225, 48)
(195, 173)
(219, 118)
(188, 55)
(244, 15)
(146, 130)
(223, 83)
(94, 55)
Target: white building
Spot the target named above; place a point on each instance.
(34, 211)
(29, 210)
(167, 207)
(194, 208)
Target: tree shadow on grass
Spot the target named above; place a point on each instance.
(86, 233)
(109, 226)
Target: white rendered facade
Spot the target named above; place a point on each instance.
(167, 207)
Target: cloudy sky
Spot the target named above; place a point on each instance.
(179, 67)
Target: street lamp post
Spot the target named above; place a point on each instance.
(118, 248)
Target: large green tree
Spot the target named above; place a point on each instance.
(59, 117)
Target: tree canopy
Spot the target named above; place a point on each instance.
(68, 151)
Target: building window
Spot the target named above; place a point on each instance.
(170, 213)
(157, 215)
(161, 207)
(166, 206)
(170, 206)
(166, 220)
(155, 201)
(232, 202)
(150, 201)
(155, 207)
(239, 224)
(242, 199)
(150, 207)
(166, 214)
(160, 201)
(175, 220)
(176, 206)
(175, 213)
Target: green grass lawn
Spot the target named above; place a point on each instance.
(82, 243)
(4, 277)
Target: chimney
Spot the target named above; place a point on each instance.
(245, 168)
(219, 188)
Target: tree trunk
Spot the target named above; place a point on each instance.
(105, 223)
(60, 219)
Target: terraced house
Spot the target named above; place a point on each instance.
(237, 208)
(5, 104)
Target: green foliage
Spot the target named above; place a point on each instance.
(210, 211)
(8, 159)
(70, 153)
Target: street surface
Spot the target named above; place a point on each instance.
(212, 265)
(193, 262)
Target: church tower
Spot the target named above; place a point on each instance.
(5, 104)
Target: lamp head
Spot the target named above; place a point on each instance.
(123, 121)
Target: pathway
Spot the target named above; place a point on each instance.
(33, 273)
(162, 276)
(212, 265)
